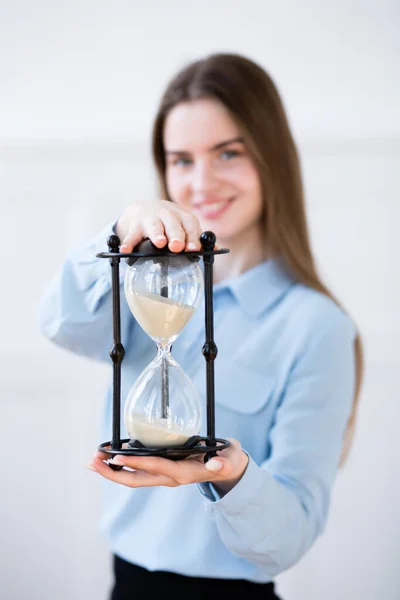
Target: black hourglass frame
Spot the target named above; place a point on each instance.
(208, 445)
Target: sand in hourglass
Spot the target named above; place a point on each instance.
(160, 317)
(157, 434)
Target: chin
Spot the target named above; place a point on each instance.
(223, 236)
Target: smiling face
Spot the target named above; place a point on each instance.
(209, 171)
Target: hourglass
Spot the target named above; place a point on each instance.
(163, 407)
(162, 412)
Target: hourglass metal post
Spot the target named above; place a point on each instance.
(117, 352)
(209, 349)
(164, 371)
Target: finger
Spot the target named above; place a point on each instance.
(220, 467)
(234, 447)
(193, 232)
(196, 471)
(155, 465)
(173, 230)
(181, 472)
(152, 464)
(131, 240)
(133, 479)
(153, 228)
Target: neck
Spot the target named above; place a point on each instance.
(246, 251)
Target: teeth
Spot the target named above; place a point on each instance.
(214, 205)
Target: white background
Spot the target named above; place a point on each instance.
(79, 84)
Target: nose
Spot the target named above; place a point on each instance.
(204, 178)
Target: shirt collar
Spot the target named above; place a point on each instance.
(260, 287)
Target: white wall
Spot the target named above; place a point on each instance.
(79, 83)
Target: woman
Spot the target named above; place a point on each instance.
(289, 366)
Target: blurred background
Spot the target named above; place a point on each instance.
(79, 85)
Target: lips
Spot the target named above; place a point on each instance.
(212, 209)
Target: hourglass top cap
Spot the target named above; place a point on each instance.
(146, 248)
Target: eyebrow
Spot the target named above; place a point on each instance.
(216, 147)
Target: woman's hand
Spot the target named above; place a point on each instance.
(162, 222)
(223, 471)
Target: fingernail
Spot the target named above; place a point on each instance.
(191, 246)
(160, 237)
(122, 248)
(213, 465)
(91, 467)
(117, 460)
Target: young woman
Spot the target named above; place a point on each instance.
(288, 371)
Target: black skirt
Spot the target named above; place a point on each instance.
(131, 580)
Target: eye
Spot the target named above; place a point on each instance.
(229, 154)
(181, 161)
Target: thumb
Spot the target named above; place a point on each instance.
(218, 466)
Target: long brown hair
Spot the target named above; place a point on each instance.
(253, 101)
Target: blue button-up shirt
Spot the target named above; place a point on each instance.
(284, 386)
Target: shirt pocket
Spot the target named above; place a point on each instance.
(242, 389)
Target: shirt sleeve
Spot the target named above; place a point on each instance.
(75, 309)
(278, 508)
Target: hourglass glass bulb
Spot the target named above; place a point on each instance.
(163, 291)
(148, 419)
